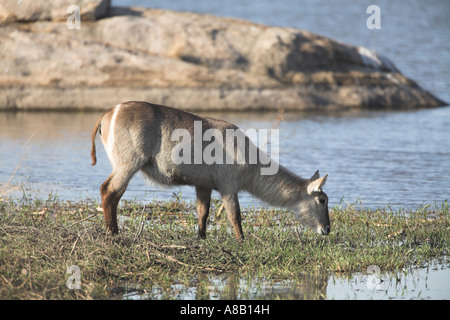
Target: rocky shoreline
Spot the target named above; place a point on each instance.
(186, 60)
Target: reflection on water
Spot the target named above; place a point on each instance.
(422, 283)
(235, 287)
(425, 283)
(379, 158)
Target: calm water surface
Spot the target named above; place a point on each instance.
(377, 158)
(421, 283)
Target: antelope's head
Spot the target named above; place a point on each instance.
(312, 210)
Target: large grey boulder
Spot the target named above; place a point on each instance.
(192, 61)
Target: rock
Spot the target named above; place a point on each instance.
(194, 62)
(34, 10)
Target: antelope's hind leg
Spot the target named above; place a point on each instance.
(111, 191)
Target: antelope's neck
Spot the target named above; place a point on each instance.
(282, 189)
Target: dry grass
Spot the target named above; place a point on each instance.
(158, 246)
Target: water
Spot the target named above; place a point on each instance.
(378, 158)
(399, 159)
(420, 283)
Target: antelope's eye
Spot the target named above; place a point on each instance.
(322, 200)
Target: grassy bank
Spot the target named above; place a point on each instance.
(158, 246)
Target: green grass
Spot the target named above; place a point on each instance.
(157, 246)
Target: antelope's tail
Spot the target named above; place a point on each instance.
(94, 134)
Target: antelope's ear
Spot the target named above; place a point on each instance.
(316, 185)
(315, 176)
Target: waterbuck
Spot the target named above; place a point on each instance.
(140, 136)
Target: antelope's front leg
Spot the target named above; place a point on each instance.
(203, 203)
(231, 203)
